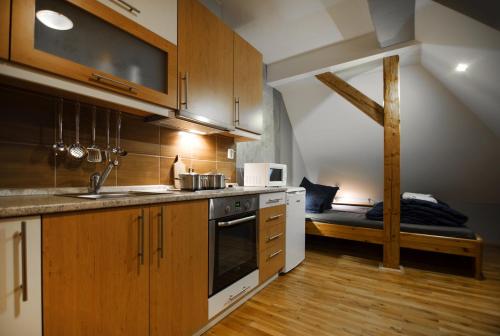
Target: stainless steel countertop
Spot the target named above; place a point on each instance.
(29, 205)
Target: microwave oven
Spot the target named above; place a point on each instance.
(264, 175)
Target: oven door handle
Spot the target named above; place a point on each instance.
(237, 221)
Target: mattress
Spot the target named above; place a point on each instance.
(355, 216)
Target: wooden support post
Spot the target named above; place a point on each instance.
(391, 162)
(370, 107)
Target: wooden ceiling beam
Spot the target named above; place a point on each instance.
(367, 105)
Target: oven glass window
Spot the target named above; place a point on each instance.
(276, 175)
(235, 252)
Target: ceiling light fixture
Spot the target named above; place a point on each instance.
(54, 20)
(461, 67)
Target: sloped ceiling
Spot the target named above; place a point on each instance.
(449, 38)
(284, 28)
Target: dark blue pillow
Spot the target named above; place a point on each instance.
(319, 192)
(315, 201)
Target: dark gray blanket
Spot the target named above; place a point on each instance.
(422, 212)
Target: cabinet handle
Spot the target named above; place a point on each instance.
(185, 79)
(274, 254)
(129, 7)
(237, 110)
(274, 237)
(274, 217)
(140, 254)
(160, 233)
(234, 297)
(275, 200)
(24, 264)
(113, 82)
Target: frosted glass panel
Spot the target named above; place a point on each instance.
(97, 44)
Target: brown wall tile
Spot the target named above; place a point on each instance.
(223, 144)
(26, 165)
(167, 171)
(174, 143)
(228, 169)
(203, 167)
(203, 147)
(137, 169)
(73, 173)
(139, 137)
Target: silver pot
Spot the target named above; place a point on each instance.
(213, 181)
(190, 181)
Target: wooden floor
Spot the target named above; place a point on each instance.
(338, 290)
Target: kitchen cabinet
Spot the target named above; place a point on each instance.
(4, 28)
(20, 277)
(102, 48)
(179, 268)
(271, 241)
(127, 271)
(247, 86)
(159, 16)
(205, 49)
(96, 272)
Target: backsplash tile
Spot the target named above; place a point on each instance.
(28, 130)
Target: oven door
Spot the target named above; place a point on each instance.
(232, 250)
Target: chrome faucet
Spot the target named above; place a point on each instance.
(97, 180)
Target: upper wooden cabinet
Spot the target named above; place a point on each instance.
(159, 16)
(4, 28)
(179, 268)
(247, 86)
(103, 48)
(205, 48)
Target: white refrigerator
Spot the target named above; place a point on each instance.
(295, 227)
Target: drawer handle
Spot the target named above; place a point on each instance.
(271, 201)
(271, 238)
(128, 6)
(272, 255)
(237, 296)
(160, 233)
(274, 217)
(113, 82)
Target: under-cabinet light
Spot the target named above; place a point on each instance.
(196, 132)
(54, 20)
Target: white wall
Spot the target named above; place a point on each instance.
(446, 150)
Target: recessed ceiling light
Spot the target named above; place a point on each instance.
(54, 20)
(461, 67)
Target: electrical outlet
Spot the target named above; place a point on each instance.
(230, 153)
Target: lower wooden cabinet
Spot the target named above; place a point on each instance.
(271, 241)
(126, 271)
(179, 268)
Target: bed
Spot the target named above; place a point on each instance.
(350, 222)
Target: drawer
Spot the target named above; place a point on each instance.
(275, 214)
(271, 234)
(272, 199)
(271, 261)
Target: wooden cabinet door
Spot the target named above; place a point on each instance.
(20, 277)
(205, 48)
(247, 86)
(4, 28)
(96, 273)
(102, 49)
(159, 16)
(179, 274)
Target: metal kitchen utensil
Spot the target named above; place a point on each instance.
(108, 150)
(213, 181)
(118, 150)
(94, 152)
(76, 150)
(59, 147)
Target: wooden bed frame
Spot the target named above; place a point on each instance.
(458, 246)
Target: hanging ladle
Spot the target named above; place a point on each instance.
(76, 150)
(59, 147)
(118, 150)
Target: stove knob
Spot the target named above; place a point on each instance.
(227, 209)
(247, 205)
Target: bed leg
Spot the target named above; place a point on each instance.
(478, 262)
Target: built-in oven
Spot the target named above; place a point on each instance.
(232, 240)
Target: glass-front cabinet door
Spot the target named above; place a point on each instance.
(89, 42)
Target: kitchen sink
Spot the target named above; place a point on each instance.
(117, 194)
